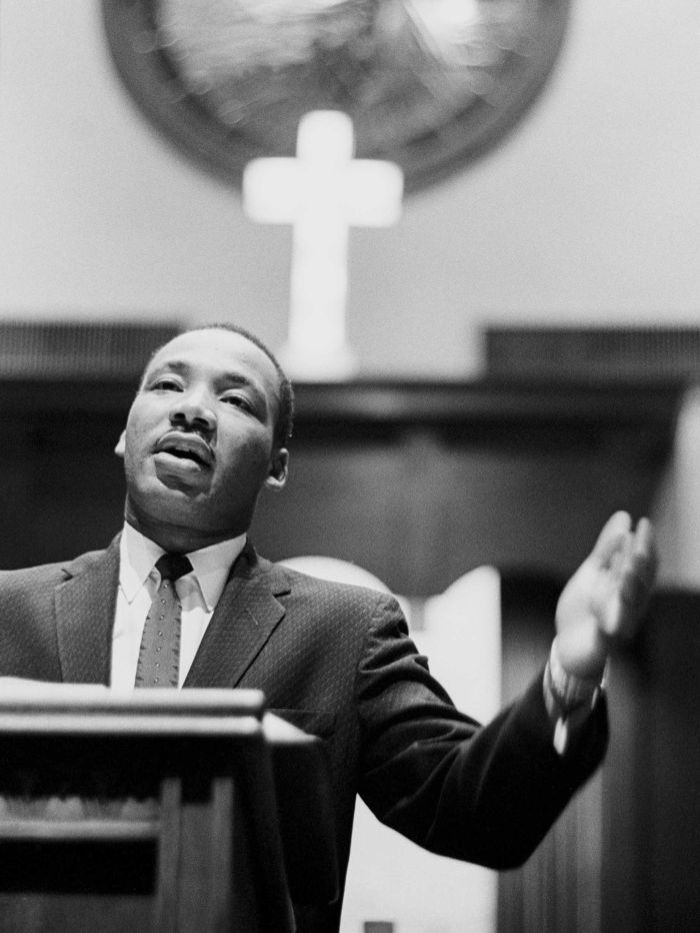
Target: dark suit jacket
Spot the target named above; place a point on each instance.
(336, 661)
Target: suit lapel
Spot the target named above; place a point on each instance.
(246, 615)
(85, 604)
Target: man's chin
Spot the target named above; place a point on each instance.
(183, 477)
(166, 500)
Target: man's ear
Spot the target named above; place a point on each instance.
(277, 476)
(121, 445)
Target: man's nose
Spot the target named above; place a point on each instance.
(194, 408)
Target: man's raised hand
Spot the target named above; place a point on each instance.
(604, 601)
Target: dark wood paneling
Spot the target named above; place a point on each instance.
(623, 857)
(652, 800)
(417, 482)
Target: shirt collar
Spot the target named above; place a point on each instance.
(211, 565)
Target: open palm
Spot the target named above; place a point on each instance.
(604, 601)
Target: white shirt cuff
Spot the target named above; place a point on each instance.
(566, 695)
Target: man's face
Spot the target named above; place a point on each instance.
(198, 445)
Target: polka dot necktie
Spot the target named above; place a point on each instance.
(159, 656)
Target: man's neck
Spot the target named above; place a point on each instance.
(178, 540)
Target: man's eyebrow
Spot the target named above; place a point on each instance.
(176, 365)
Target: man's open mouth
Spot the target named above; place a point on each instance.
(184, 455)
(186, 447)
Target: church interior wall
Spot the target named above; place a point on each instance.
(586, 212)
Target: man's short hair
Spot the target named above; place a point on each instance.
(285, 413)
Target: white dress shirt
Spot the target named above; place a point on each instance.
(198, 591)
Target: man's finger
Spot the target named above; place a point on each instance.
(636, 575)
(639, 565)
(611, 538)
(644, 552)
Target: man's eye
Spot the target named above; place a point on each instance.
(167, 383)
(238, 401)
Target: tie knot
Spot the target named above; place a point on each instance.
(173, 566)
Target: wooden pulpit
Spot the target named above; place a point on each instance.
(156, 811)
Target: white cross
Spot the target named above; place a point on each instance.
(322, 192)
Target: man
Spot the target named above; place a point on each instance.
(206, 433)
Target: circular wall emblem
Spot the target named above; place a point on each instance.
(429, 84)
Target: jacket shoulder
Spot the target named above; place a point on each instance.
(328, 604)
(339, 588)
(46, 575)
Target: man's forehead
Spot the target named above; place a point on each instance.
(218, 348)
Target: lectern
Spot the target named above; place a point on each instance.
(155, 811)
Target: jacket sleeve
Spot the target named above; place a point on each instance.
(485, 794)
